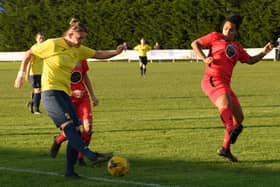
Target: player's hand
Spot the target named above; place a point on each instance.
(208, 60)
(95, 101)
(77, 93)
(267, 48)
(18, 82)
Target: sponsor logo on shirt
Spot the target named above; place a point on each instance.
(230, 51)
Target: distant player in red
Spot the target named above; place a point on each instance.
(81, 92)
(224, 52)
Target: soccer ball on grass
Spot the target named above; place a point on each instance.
(118, 166)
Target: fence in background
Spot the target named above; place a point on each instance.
(153, 55)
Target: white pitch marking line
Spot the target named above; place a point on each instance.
(89, 178)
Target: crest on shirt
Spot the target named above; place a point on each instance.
(76, 77)
(230, 51)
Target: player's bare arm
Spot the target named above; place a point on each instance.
(266, 49)
(197, 47)
(108, 54)
(21, 73)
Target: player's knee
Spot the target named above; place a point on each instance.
(37, 90)
(87, 125)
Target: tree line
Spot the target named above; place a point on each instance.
(173, 23)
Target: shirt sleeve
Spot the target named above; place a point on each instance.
(85, 52)
(243, 55)
(136, 47)
(44, 49)
(208, 39)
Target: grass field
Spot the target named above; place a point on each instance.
(162, 123)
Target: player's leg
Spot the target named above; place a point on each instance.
(71, 158)
(30, 103)
(60, 108)
(141, 68)
(238, 118)
(58, 140)
(36, 96)
(223, 103)
(86, 136)
(36, 100)
(85, 114)
(217, 92)
(144, 69)
(145, 62)
(37, 93)
(225, 106)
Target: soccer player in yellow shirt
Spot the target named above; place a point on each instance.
(34, 74)
(60, 56)
(142, 49)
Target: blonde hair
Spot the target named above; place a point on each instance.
(77, 26)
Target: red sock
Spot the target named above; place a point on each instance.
(86, 136)
(226, 116)
(226, 143)
(61, 138)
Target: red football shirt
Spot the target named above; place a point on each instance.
(77, 77)
(225, 55)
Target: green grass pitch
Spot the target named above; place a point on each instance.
(162, 123)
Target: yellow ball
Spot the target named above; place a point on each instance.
(118, 166)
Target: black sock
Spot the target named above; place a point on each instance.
(75, 140)
(71, 159)
(141, 70)
(36, 101)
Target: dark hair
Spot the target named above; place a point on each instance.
(38, 33)
(235, 19)
(76, 25)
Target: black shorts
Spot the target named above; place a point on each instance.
(35, 81)
(143, 60)
(60, 107)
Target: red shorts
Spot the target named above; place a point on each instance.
(214, 88)
(83, 108)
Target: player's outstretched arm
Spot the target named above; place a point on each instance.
(21, 73)
(266, 49)
(108, 54)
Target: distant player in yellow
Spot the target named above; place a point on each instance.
(142, 49)
(60, 56)
(34, 74)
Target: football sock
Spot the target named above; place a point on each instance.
(75, 140)
(226, 116)
(86, 136)
(145, 71)
(36, 101)
(61, 138)
(141, 70)
(32, 95)
(226, 143)
(71, 159)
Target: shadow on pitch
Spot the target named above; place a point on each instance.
(162, 171)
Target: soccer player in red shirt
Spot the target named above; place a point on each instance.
(81, 92)
(224, 52)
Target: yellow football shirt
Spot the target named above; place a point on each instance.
(36, 65)
(142, 49)
(59, 60)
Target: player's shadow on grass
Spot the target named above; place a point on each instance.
(163, 171)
